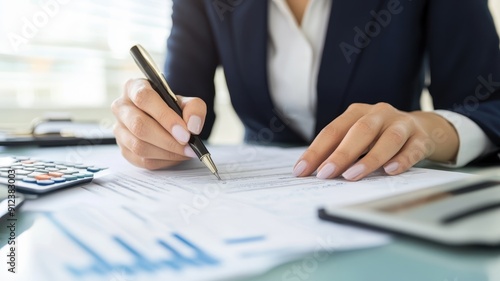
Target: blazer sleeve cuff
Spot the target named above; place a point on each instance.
(474, 143)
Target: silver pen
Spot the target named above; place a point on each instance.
(160, 85)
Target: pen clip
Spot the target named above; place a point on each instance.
(149, 60)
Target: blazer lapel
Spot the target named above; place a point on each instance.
(338, 63)
(249, 33)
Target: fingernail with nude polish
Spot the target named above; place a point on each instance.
(180, 134)
(194, 124)
(354, 172)
(299, 168)
(326, 171)
(391, 167)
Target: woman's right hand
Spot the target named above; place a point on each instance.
(149, 133)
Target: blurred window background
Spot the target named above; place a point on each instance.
(72, 56)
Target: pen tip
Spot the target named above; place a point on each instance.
(217, 175)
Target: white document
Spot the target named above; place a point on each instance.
(184, 224)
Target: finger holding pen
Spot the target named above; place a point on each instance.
(151, 134)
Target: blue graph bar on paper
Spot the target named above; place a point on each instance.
(141, 264)
(245, 240)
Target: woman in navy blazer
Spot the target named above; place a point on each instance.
(368, 87)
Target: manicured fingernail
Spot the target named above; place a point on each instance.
(300, 168)
(354, 172)
(391, 167)
(180, 134)
(194, 124)
(326, 171)
(189, 152)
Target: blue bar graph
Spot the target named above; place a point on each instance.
(176, 263)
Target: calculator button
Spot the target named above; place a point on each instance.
(4, 175)
(29, 180)
(29, 169)
(22, 172)
(70, 177)
(68, 172)
(45, 182)
(58, 180)
(79, 175)
(5, 170)
(43, 177)
(56, 174)
(43, 171)
(87, 175)
(52, 169)
(34, 174)
(93, 169)
(61, 167)
(29, 162)
(50, 165)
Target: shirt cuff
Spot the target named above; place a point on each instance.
(473, 141)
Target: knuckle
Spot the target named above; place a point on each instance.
(163, 116)
(140, 97)
(149, 164)
(137, 126)
(397, 135)
(116, 105)
(365, 126)
(195, 104)
(383, 106)
(172, 144)
(342, 155)
(415, 154)
(354, 107)
(129, 83)
(200, 104)
(330, 131)
(137, 147)
(374, 160)
(313, 154)
(426, 145)
(408, 120)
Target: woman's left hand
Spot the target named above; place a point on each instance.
(366, 137)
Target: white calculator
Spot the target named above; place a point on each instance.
(37, 176)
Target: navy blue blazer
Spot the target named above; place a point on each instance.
(367, 58)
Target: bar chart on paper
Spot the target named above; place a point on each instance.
(175, 260)
(99, 247)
